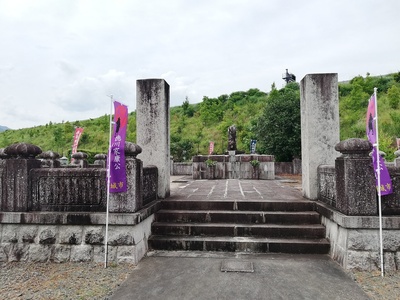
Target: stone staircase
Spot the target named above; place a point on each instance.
(245, 225)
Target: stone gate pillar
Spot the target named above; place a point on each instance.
(319, 127)
(152, 128)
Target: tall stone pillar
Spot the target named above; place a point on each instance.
(152, 128)
(319, 127)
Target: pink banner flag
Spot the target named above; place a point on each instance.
(118, 182)
(211, 148)
(77, 136)
(371, 119)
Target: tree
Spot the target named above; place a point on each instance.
(188, 110)
(393, 95)
(278, 128)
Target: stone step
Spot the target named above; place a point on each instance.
(241, 244)
(230, 229)
(228, 216)
(245, 205)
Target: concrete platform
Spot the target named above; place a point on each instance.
(198, 275)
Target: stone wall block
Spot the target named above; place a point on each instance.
(40, 253)
(28, 234)
(363, 260)
(126, 254)
(391, 241)
(61, 254)
(98, 254)
(3, 254)
(140, 251)
(10, 234)
(389, 262)
(47, 236)
(94, 236)
(71, 235)
(81, 253)
(397, 260)
(138, 233)
(363, 240)
(118, 236)
(17, 252)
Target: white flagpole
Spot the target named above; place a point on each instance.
(108, 184)
(378, 174)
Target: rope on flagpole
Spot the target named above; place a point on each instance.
(108, 185)
(378, 172)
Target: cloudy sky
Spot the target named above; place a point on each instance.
(60, 59)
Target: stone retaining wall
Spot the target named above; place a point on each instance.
(75, 237)
(355, 240)
(234, 167)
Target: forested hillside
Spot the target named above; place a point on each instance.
(272, 118)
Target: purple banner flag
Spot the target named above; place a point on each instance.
(117, 151)
(371, 116)
(386, 187)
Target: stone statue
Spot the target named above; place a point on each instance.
(232, 138)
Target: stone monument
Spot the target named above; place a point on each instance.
(232, 138)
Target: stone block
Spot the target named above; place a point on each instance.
(363, 240)
(126, 254)
(81, 253)
(98, 254)
(120, 235)
(62, 253)
(10, 234)
(71, 235)
(3, 254)
(40, 253)
(389, 262)
(17, 252)
(363, 260)
(47, 235)
(140, 251)
(397, 260)
(146, 226)
(94, 235)
(28, 233)
(391, 240)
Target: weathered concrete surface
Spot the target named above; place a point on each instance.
(319, 127)
(193, 275)
(153, 123)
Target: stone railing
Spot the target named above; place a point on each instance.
(349, 185)
(51, 213)
(29, 184)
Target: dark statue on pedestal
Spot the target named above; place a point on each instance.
(232, 138)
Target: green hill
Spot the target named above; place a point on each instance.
(193, 126)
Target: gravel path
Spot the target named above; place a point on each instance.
(93, 281)
(378, 287)
(60, 281)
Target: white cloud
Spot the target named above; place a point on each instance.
(60, 59)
